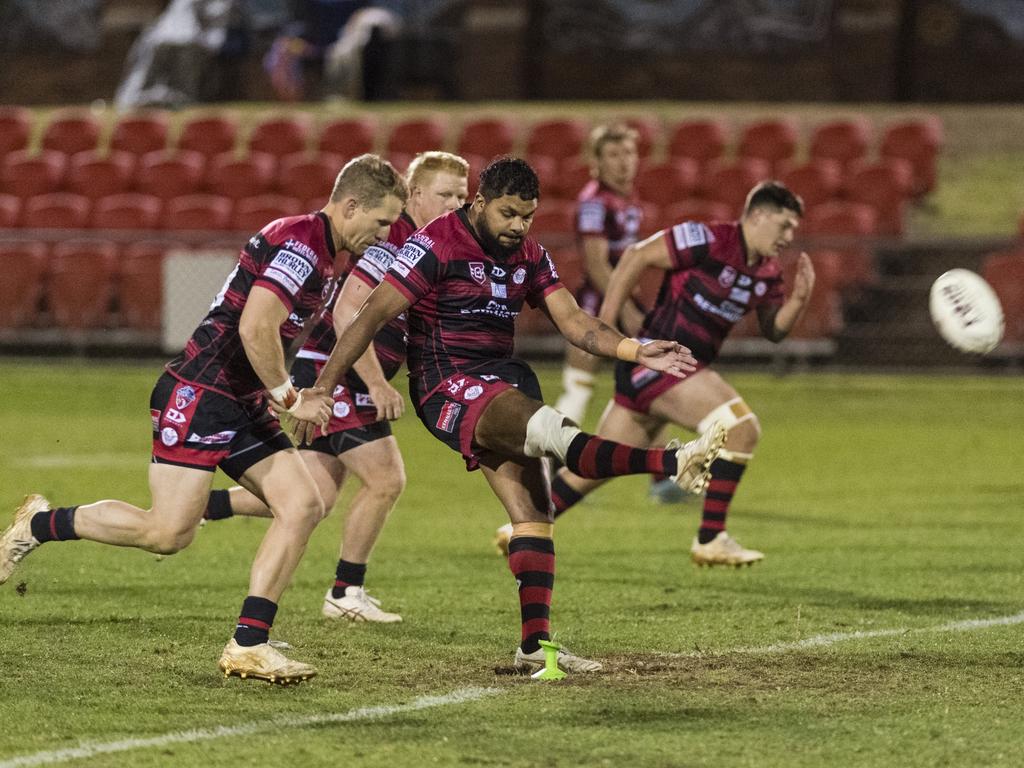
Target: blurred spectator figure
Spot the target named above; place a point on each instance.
(357, 64)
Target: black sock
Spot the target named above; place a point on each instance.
(54, 525)
(218, 506)
(347, 575)
(563, 495)
(256, 620)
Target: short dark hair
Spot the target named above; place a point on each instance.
(509, 176)
(773, 194)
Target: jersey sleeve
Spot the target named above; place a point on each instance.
(687, 244)
(590, 218)
(544, 280)
(374, 264)
(285, 272)
(415, 270)
(775, 296)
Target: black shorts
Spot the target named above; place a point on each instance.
(452, 409)
(336, 443)
(202, 429)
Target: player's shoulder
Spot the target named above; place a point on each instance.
(591, 192)
(303, 235)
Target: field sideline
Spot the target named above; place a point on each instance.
(883, 628)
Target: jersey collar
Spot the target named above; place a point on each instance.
(328, 237)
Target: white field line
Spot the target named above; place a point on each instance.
(819, 641)
(87, 750)
(90, 461)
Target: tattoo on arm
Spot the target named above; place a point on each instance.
(590, 342)
(591, 339)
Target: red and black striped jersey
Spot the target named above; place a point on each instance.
(603, 212)
(464, 300)
(292, 257)
(710, 287)
(390, 340)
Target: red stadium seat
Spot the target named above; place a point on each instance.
(666, 183)
(26, 176)
(209, 135)
(730, 184)
(130, 210)
(170, 174)
(251, 214)
(140, 133)
(140, 283)
(15, 128)
(848, 223)
(23, 266)
(648, 132)
(573, 175)
(695, 209)
(95, 176)
(413, 136)
(56, 210)
(700, 140)
(843, 141)
(303, 176)
(816, 181)
(81, 283)
(546, 169)
(558, 139)
(72, 131)
(823, 315)
(487, 137)
(773, 141)
(198, 212)
(884, 186)
(476, 164)
(10, 211)
(1005, 273)
(554, 220)
(348, 137)
(569, 265)
(280, 135)
(238, 177)
(918, 142)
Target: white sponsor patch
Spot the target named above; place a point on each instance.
(363, 399)
(472, 393)
(411, 253)
(342, 409)
(551, 265)
(400, 268)
(168, 437)
(300, 247)
(376, 261)
(590, 216)
(176, 416)
(499, 291)
(760, 288)
(744, 281)
(215, 439)
(689, 234)
(497, 272)
(740, 294)
(290, 270)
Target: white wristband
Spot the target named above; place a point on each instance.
(279, 394)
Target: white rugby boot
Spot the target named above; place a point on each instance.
(356, 606)
(502, 537)
(695, 457)
(723, 550)
(262, 662)
(567, 661)
(17, 540)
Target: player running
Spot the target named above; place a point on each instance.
(714, 274)
(463, 279)
(210, 409)
(358, 439)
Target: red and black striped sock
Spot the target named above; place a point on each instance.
(347, 575)
(54, 525)
(725, 476)
(532, 561)
(594, 457)
(563, 495)
(218, 506)
(256, 620)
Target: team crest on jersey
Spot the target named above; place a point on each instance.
(760, 288)
(519, 276)
(727, 276)
(184, 397)
(472, 393)
(168, 436)
(341, 409)
(476, 271)
(449, 413)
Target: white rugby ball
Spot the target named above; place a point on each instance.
(966, 311)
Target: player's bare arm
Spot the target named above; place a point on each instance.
(777, 322)
(260, 330)
(652, 252)
(390, 403)
(598, 338)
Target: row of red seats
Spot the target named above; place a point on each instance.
(775, 141)
(1004, 271)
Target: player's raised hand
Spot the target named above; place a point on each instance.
(668, 357)
(803, 284)
(389, 401)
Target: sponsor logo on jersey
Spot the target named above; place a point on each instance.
(411, 253)
(298, 246)
(169, 436)
(476, 271)
(726, 310)
(689, 234)
(641, 376)
(740, 294)
(629, 219)
(400, 268)
(363, 400)
(420, 238)
(551, 266)
(176, 416)
(449, 413)
(455, 385)
(760, 288)
(519, 276)
(184, 397)
(154, 414)
(727, 276)
(472, 393)
(342, 409)
(290, 270)
(493, 308)
(590, 217)
(489, 377)
(744, 281)
(497, 272)
(337, 391)
(376, 260)
(498, 290)
(219, 438)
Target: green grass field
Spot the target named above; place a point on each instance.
(889, 508)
